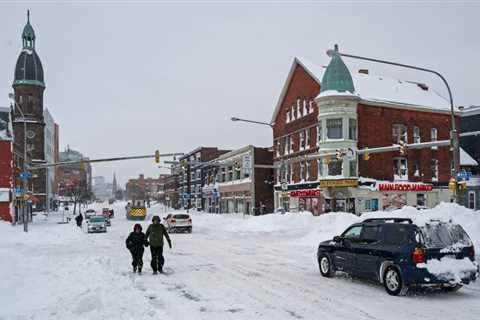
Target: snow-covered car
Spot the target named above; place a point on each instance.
(178, 222)
(401, 254)
(96, 224)
(89, 213)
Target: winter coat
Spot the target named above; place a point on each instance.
(155, 234)
(79, 219)
(135, 241)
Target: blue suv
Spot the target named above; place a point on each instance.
(399, 254)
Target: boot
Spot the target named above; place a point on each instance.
(134, 268)
(139, 269)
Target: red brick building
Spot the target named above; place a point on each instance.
(355, 111)
(6, 163)
(147, 188)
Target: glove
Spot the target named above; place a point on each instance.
(146, 243)
(170, 244)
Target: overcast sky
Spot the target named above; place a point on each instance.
(128, 78)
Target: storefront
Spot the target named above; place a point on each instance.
(310, 200)
(236, 202)
(210, 196)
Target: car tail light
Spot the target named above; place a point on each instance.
(189, 219)
(173, 220)
(418, 256)
(471, 252)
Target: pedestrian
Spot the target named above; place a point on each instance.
(135, 242)
(79, 220)
(154, 237)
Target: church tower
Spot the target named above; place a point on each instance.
(28, 86)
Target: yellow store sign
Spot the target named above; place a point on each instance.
(338, 183)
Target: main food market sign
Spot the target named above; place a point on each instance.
(404, 187)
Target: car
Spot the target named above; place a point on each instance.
(89, 213)
(96, 224)
(107, 212)
(178, 222)
(401, 254)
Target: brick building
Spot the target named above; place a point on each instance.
(192, 175)
(6, 165)
(74, 180)
(355, 111)
(172, 196)
(29, 86)
(146, 188)
(234, 185)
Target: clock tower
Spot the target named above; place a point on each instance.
(27, 113)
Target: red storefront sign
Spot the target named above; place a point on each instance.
(305, 193)
(404, 187)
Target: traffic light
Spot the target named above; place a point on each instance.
(82, 165)
(403, 148)
(366, 156)
(157, 156)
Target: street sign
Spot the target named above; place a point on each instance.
(18, 190)
(25, 174)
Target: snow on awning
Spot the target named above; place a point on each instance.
(466, 159)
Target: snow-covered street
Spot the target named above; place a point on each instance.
(228, 268)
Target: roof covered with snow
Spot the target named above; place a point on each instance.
(466, 159)
(375, 89)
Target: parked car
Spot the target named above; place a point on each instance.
(178, 222)
(399, 254)
(107, 212)
(89, 213)
(96, 224)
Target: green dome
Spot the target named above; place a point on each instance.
(337, 77)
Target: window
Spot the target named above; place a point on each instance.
(230, 173)
(305, 107)
(292, 114)
(371, 234)
(471, 200)
(399, 133)
(320, 168)
(352, 129)
(278, 176)
(434, 170)
(400, 169)
(302, 140)
(291, 144)
(307, 138)
(279, 146)
(238, 171)
(290, 173)
(223, 176)
(334, 129)
(288, 116)
(286, 147)
(299, 109)
(302, 171)
(371, 205)
(416, 135)
(307, 169)
(416, 169)
(310, 106)
(421, 200)
(335, 168)
(434, 136)
(353, 168)
(398, 234)
(319, 133)
(353, 233)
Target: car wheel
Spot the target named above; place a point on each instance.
(190, 230)
(454, 288)
(325, 266)
(393, 282)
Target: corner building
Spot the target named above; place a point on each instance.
(355, 111)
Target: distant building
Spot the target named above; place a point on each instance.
(172, 195)
(6, 168)
(470, 157)
(146, 188)
(74, 178)
(49, 156)
(192, 175)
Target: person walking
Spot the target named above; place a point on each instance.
(79, 220)
(154, 237)
(135, 242)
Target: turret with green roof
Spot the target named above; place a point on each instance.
(337, 77)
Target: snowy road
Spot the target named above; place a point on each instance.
(217, 272)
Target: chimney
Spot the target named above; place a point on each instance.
(364, 71)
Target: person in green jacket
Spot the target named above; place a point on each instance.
(154, 237)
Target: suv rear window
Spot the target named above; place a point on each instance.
(399, 234)
(444, 235)
(181, 216)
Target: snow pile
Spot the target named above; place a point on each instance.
(273, 223)
(450, 268)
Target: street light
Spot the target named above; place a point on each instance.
(252, 121)
(453, 132)
(24, 179)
